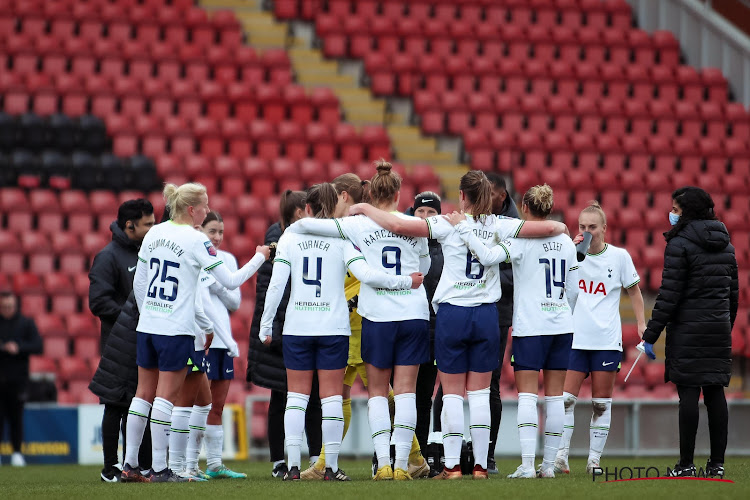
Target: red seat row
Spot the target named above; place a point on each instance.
(120, 21)
(142, 61)
(598, 14)
(182, 100)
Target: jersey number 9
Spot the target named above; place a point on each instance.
(389, 263)
(165, 278)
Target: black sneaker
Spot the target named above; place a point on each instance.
(280, 470)
(683, 471)
(133, 475)
(714, 469)
(167, 476)
(111, 475)
(434, 472)
(292, 474)
(339, 475)
(491, 466)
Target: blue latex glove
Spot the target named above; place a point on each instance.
(649, 350)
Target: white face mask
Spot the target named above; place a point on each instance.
(673, 218)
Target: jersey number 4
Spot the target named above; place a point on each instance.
(550, 271)
(306, 276)
(163, 269)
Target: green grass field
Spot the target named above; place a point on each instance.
(82, 482)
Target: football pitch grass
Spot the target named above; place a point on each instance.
(79, 482)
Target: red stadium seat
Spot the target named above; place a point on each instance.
(81, 325)
(86, 348)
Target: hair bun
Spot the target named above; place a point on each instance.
(383, 167)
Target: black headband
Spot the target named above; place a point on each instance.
(427, 201)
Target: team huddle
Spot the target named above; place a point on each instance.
(358, 307)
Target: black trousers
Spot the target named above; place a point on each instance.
(12, 398)
(313, 423)
(114, 421)
(718, 421)
(496, 405)
(425, 388)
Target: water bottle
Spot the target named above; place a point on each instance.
(583, 247)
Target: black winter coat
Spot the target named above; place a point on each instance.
(697, 303)
(505, 304)
(14, 368)
(265, 364)
(432, 278)
(116, 378)
(111, 279)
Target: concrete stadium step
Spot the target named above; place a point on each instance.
(232, 4)
(262, 30)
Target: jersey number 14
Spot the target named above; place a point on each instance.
(550, 272)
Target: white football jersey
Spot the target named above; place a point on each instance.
(172, 256)
(317, 304)
(202, 319)
(393, 254)
(464, 281)
(544, 278)
(601, 278)
(216, 310)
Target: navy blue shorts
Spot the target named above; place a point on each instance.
(541, 352)
(165, 352)
(467, 339)
(327, 352)
(587, 361)
(219, 365)
(395, 343)
(197, 362)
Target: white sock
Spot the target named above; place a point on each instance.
(553, 428)
(161, 420)
(294, 425)
(452, 419)
(333, 429)
(599, 430)
(214, 446)
(178, 437)
(528, 426)
(380, 426)
(570, 404)
(197, 430)
(136, 425)
(479, 424)
(404, 423)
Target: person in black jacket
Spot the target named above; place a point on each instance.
(111, 274)
(115, 382)
(697, 303)
(265, 364)
(428, 204)
(502, 204)
(19, 338)
(111, 281)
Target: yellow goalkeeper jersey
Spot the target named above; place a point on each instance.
(351, 288)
